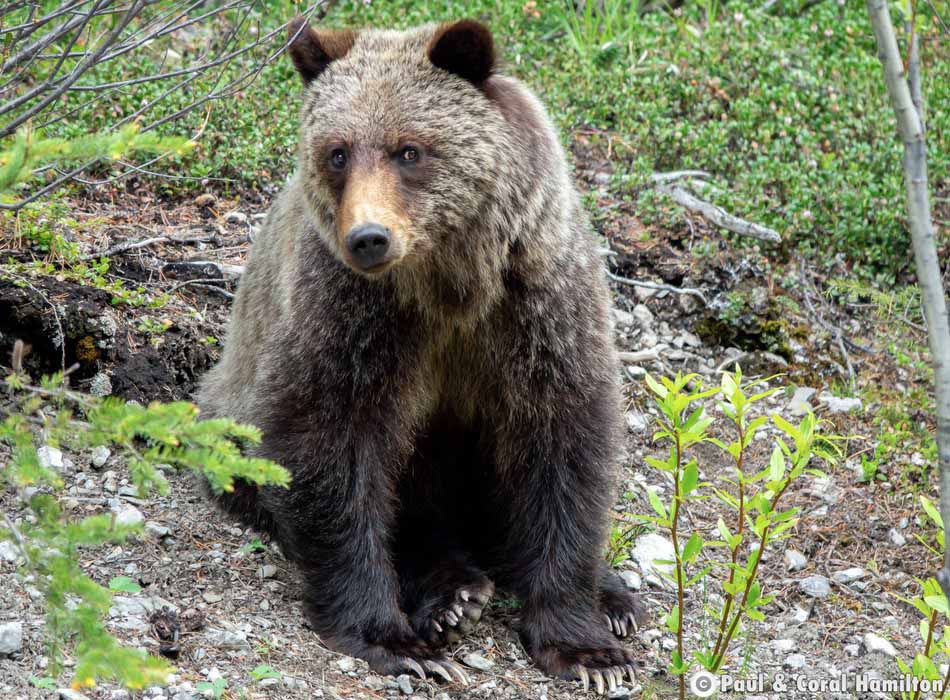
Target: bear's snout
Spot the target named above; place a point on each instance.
(368, 245)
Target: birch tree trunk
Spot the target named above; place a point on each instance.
(911, 129)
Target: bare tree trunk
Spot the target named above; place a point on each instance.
(911, 128)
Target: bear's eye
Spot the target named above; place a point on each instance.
(338, 158)
(409, 154)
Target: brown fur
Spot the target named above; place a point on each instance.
(453, 418)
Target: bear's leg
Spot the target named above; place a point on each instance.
(622, 608)
(443, 592)
(554, 467)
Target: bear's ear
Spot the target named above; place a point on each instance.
(312, 51)
(465, 48)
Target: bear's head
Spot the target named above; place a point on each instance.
(415, 157)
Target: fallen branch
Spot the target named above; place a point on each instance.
(633, 358)
(209, 283)
(135, 245)
(658, 286)
(204, 268)
(719, 216)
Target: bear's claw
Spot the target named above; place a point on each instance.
(622, 624)
(458, 617)
(613, 676)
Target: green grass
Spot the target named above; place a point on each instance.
(789, 114)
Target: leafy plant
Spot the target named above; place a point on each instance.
(263, 671)
(932, 605)
(50, 541)
(753, 495)
(216, 687)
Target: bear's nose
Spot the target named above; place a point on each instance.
(368, 245)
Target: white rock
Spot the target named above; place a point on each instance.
(100, 455)
(405, 685)
(851, 649)
(875, 644)
(101, 385)
(50, 457)
(643, 315)
(849, 575)
(69, 694)
(631, 580)
(815, 586)
(668, 643)
(236, 217)
(795, 661)
(126, 514)
(836, 404)
(650, 548)
(637, 422)
(228, 639)
(477, 661)
(267, 571)
(801, 401)
(896, 538)
(783, 645)
(635, 371)
(795, 560)
(800, 616)
(11, 638)
(346, 664)
(623, 319)
(157, 530)
(9, 552)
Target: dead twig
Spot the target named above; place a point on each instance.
(639, 356)
(659, 286)
(209, 283)
(126, 246)
(719, 216)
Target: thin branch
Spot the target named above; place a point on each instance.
(659, 286)
(719, 216)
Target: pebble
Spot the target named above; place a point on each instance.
(800, 404)
(101, 385)
(896, 538)
(635, 371)
(100, 455)
(643, 315)
(835, 404)
(800, 616)
(849, 575)
(69, 694)
(795, 560)
(157, 530)
(815, 586)
(405, 685)
(477, 661)
(126, 514)
(205, 200)
(620, 693)
(795, 661)
(346, 664)
(228, 639)
(8, 551)
(236, 217)
(650, 548)
(50, 457)
(631, 580)
(212, 597)
(875, 644)
(637, 422)
(267, 571)
(783, 645)
(852, 649)
(11, 638)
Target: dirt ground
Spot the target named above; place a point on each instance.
(237, 602)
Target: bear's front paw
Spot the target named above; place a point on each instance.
(398, 655)
(597, 660)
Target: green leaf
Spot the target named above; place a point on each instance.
(124, 584)
(938, 603)
(776, 464)
(689, 479)
(657, 504)
(673, 619)
(931, 511)
(692, 548)
(264, 671)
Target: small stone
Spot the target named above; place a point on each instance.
(896, 538)
(643, 315)
(267, 571)
(157, 530)
(800, 616)
(9, 552)
(836, 404)
(228, 639)
(126, 514)
(635, 371)
(623, 319)
(620, 693)
(815, 586)
(852, 649)
(69, 694)
(205, 200)
(119, 694)
(100, 455)
(795, 661)
(100, 385)
(668, 643)
(800, 402)
(637, 422)
(795, 560)
(212, 597)
(346, 664)
(650, 548)
(477, 661)
(631, 580)
(783, 646)
(236, 217)
(875, 644)
(11, 638)
(405, 685)
(849, 575)
(50, 457)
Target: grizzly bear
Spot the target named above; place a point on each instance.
(422, 335)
